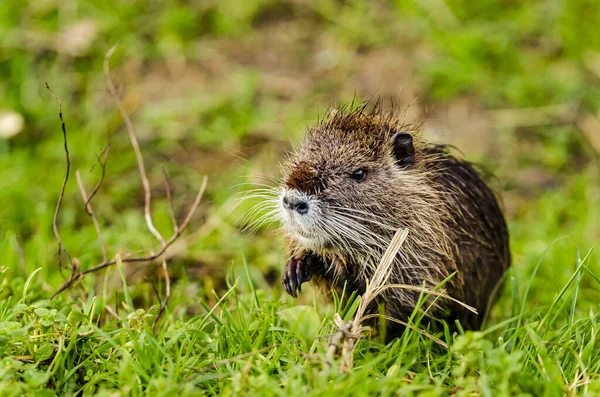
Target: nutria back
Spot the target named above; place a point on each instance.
(357, 178)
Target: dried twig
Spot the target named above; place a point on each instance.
(143, 176)
(170, 199)
(61, 246)
(90, 212)
(344, 331)
(163, 305)
(102, 160)
(148, 258)
(87, 200)
(134, 144)
(165, 301)
(76, 273)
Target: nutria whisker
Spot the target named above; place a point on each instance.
(364, 219)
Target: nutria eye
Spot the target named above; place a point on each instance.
(359, 175)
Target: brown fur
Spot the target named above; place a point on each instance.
(454, 220)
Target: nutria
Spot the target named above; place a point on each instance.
(361, 175)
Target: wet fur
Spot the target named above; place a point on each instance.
(454, 219)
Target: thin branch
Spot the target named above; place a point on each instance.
(163, 306)
(102, 160)
(90, 212)
(155, 288)
(135, 145)
(61, 246)
(344, 329)
(143, 176)
(165, 301)
(76, 273)
(169, 242)
(148, 258)
(170, 199)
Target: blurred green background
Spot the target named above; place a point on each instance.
(223, 89)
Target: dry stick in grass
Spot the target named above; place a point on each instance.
(76, 274)
(344, 330)
(61, 246)
(87, 200)
(102, 158)
(145, 182)
(92, 215)
(148, 258)
(112, 90)
(170, 199)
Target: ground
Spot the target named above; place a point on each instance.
(223, 89)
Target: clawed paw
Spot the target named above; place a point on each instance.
(297, 271)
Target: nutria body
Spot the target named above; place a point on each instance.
(358, 177)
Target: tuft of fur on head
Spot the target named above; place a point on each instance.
(351, 222)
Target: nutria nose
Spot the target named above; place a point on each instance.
(296, 204)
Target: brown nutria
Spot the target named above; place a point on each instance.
(361, 175)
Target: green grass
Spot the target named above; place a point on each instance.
(251, 342)
(221, 89)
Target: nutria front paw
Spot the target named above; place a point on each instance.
(298, 270)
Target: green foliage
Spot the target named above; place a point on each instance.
(247, 343)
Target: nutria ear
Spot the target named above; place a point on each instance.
(404, 151)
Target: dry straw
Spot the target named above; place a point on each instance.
(350, 332)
